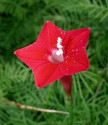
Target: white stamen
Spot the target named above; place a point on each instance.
(59, 52)
(59, 40)
(59, 46)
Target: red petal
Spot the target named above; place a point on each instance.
(82, 58)
(75, 62)
(32, 55)
(76, 39)
(46, 74)
(49, 35)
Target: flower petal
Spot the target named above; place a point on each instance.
(46, 74)
(32, 55)
(49, 35)
(76, 39)
(75, 62)
(81, 57)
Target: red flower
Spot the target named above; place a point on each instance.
(56, 54)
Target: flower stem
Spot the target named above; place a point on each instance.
(67, 84)
(70, 108)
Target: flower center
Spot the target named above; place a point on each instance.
(57, 55)
(54, 58)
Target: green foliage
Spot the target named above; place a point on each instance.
(97, 9)
(20, 24)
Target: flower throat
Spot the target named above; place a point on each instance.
(57, 55)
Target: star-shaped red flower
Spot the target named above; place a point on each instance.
(56, 53)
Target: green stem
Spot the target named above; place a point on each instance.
(66, 81)
(70, 108)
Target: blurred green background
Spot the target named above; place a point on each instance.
(20, 24)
